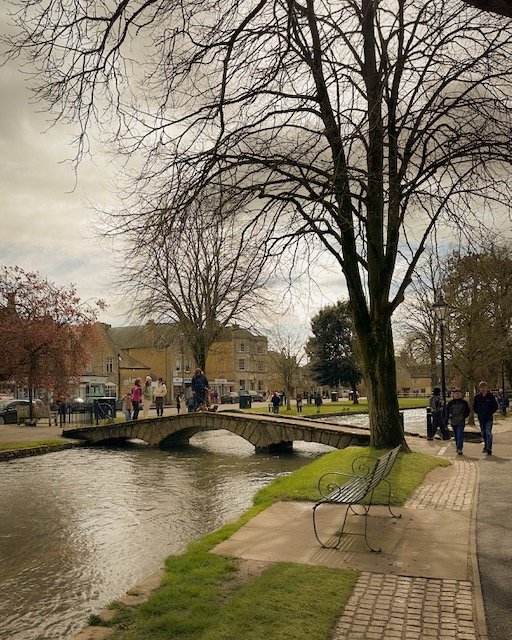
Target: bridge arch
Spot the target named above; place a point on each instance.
(264, 432)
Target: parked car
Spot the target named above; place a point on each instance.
(8, 410)
(229, 398)
(256, 396)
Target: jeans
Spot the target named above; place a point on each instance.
(486, 429)
(458, 430)
(128, 414)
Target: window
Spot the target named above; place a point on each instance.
(261, 366)
(259, 348)
(109, 364)
(241, 365)
(178, 365)
(242, 385)
(242, 346)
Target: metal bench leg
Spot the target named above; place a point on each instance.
(323, 544)
(395, 515)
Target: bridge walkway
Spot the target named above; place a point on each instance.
(266, 432)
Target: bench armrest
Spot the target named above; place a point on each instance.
(362, 466)
(332, 481)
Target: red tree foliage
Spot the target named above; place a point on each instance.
(48, 333)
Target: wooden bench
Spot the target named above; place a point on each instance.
(367, 473)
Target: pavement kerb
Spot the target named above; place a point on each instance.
(480, 621)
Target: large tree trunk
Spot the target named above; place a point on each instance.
(377, 349)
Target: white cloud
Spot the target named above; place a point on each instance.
(44, 216)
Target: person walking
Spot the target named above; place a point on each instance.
(485, 406)
(457, 411)
(438, 420)
(318, 402)
(503, 402)
(276, 401)
(136, 397)
(159, 395)
(299, 403)
(178, 403)
(127, 405)
(147, 396)
(200, 388)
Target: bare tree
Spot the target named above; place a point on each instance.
(286, 355)
(356, 125)
(418, 323)
(201, 273)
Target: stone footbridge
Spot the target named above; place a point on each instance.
(267, 433)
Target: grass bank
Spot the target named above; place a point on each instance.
(15, 446)
(340, 407)
(208, 597)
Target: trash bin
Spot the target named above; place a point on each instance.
(334, 396)
(245, 400)
(104, 408)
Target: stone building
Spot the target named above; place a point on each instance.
(238, 360)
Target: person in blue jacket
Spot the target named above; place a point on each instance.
(485, 406)
(201, 388)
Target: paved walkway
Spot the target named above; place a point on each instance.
(426, 582)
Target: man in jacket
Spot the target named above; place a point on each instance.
(457, 411)
(437, 412)
(485, 406)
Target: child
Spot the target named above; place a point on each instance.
(458, 410)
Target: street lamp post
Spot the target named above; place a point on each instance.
(441, 309)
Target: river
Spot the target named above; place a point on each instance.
(415, 420)
(80, 527)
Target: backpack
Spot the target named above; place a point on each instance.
(436, 404)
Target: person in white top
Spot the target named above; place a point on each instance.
(147, 396)
(159, 395)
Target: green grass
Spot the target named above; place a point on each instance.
(14, 446)
(201, 599)
(340, 407)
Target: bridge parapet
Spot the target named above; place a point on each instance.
(264, 432)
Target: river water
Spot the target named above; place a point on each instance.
(415, 420)
(80, 527)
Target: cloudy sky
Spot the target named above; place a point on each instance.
(45, 213)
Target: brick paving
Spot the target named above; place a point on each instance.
(385, 607)
(388, 607)
(455, 493)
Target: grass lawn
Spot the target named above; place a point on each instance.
(340, 407)
(208, 597)
(14, 446)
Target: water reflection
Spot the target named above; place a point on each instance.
(80, 527)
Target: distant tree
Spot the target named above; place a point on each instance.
(286, 354)
(332, 349)
(47, 332)
(418, 324)
(478, 290)
(201, 272)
